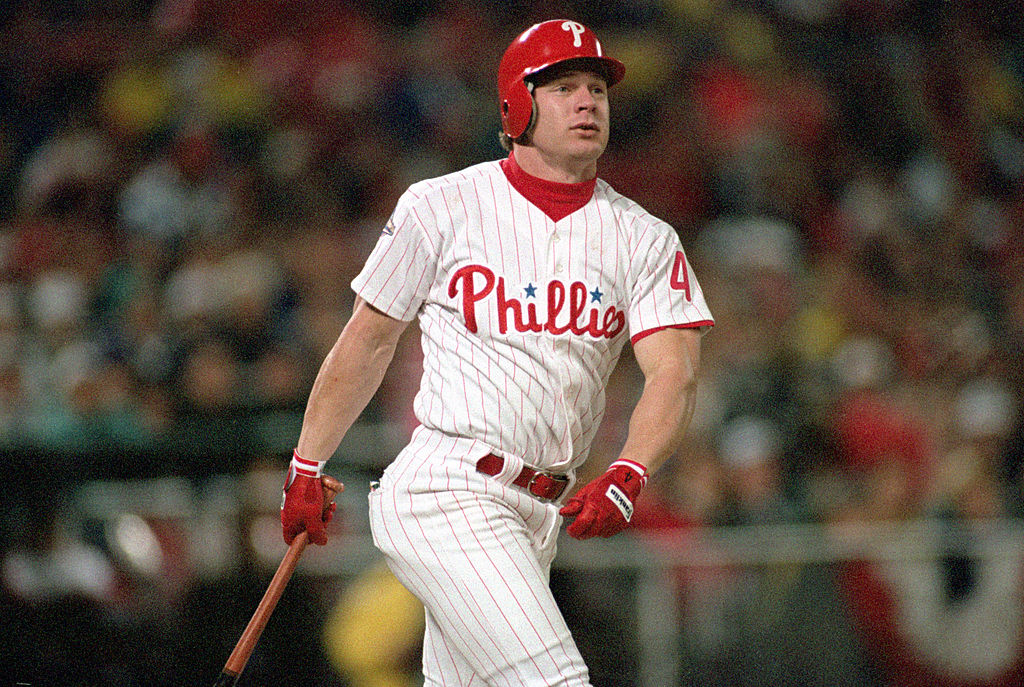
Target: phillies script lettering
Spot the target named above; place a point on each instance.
(565, 304)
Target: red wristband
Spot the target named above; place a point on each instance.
(307, 468)
(632, 464)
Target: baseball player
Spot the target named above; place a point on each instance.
(527, 275)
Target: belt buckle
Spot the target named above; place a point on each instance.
(550, 475)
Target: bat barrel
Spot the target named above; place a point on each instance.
(238, 658)
(243, 649)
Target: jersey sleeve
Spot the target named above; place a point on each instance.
(666, 293)
(397, 275)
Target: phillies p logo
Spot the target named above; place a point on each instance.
(577, 31)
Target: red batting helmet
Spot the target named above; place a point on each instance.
(539, 47)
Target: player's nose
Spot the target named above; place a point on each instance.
(583, 97)
(585, 100)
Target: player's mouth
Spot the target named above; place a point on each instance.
(586, 127)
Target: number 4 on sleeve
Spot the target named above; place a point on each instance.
(680, 276)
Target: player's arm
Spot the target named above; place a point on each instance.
(669, 360)
(348, 378)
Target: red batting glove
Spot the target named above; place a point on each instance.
(302, 507)
(605, 506)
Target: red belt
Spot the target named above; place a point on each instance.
(539, 483)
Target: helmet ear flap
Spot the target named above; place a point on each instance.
(517, 110)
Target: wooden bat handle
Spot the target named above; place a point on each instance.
(247, 642)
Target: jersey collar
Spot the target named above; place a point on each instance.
(555, 199)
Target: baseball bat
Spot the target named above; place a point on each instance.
(247, 642)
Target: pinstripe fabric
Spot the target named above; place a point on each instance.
(478, 554)
(536, 395)
(523, 320)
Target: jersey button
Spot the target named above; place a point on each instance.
(558, 268)
(556, 238)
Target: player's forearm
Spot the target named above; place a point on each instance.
(348, 378)
(669, 360)
(660, 418)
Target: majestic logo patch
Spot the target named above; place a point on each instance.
(567, 309)
(621, 501)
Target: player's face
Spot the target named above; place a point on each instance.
(572, 118)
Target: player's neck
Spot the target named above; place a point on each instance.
(555, 199)
(564, 171)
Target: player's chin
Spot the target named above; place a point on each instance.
(589, 146)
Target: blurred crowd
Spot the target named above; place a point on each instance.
(187, 188)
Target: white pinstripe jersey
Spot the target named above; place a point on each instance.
(523, 318)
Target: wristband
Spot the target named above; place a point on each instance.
(632, 464)
(306, 468)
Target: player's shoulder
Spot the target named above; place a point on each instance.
(434, 186)
(630, 214)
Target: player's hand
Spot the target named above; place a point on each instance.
(302, 506)
(605, 506)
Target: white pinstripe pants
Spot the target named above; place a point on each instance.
(478, 555)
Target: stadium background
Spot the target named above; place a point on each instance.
(187, 188)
